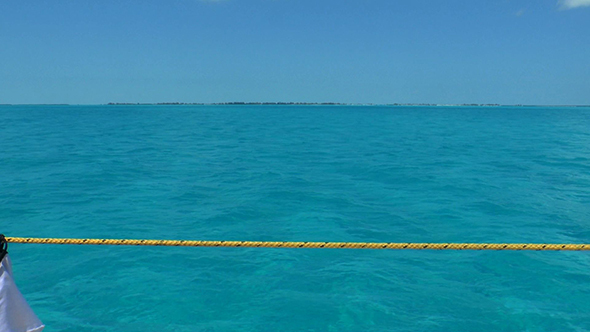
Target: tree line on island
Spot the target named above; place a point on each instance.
(304, 104)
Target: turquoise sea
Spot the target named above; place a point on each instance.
(298, 173)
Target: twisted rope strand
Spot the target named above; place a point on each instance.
(319, 245)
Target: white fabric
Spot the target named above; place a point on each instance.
(15, 313)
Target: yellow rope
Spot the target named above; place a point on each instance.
(331, 245)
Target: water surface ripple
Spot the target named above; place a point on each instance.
(391, 174)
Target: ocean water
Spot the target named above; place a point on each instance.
(291, 173)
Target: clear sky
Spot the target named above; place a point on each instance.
(355, 51)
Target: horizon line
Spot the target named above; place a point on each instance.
(258, 103)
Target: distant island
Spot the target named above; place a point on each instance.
(342, 104)
(238, 103)
(257, 103)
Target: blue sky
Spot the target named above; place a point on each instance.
(356, 51)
